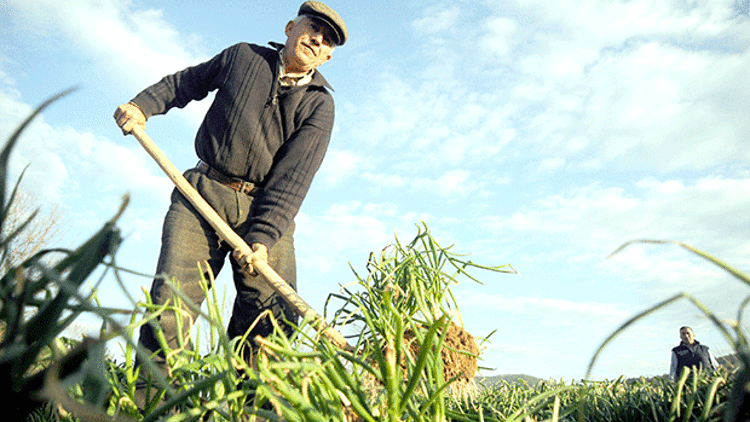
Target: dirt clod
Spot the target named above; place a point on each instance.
(460, 353)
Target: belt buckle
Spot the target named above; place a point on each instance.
(246, 187)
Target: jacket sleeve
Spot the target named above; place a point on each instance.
(295, 165)
(673, 367)
(180, 88)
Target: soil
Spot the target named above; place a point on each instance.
(455, 363)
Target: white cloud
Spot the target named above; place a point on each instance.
(585, 85)
(499, 38)
(13, 110)
(608, 21)
(427, 128)
(443, 19)
(57, 156)
(131, 47)
(524, 350)
(340, 165)
(582, 226)
(550, 164)
(667, 108)
(344, 229)
(349, 231)
(551, 307)
(389, 181)
(126, 39)
(66, 166)
(451, 185)
(643, 83)
(601, 218)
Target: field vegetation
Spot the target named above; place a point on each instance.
(411, 359)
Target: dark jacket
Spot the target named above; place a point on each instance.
(255, 129)
(700, 358)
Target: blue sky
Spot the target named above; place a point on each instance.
(541, 134)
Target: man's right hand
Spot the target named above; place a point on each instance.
(129, 115)
(260, 252)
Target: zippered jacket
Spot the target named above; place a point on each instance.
(698, 357)
(255, 129)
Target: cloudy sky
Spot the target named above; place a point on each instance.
(541, 134)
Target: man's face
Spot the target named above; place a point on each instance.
(687, 336)
(309, 44)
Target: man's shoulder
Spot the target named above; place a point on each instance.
(321, 83)
(250, 48)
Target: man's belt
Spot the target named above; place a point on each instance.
(235, 183)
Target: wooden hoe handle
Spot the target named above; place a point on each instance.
(236, 242)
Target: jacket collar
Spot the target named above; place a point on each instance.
(317, 77)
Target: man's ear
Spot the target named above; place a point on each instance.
(289, 27)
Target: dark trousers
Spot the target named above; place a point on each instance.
(187, 240)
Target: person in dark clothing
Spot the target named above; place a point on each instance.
(691, 354)
(260, 144)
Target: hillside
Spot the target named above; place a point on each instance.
(510, 378)
(729, 361)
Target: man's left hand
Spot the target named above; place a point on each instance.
(260, 252)
(129, 115)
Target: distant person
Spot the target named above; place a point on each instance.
(691, 354)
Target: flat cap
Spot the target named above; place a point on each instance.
(319, 10)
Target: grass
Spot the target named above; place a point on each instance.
(398, 313)
(703, 398)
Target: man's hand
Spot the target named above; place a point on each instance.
(260, 252)
(129, 115)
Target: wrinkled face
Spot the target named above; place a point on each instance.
(309, 44)
(687, 336)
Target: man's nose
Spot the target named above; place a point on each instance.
(316, 39)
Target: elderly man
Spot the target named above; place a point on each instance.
(260, 144)
(691, 354)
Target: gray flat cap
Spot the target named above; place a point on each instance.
(319, 10)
